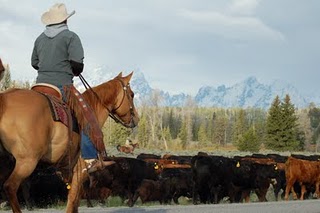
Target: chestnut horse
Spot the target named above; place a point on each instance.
(28, 132)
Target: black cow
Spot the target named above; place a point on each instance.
(216, 177)
(259, 178)
(209, 174)
(127, 174)
(152, 190)
(307, 157)
(46, 187)
(181, 159)
(179, 182)
(143, 156)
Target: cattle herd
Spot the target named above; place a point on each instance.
(202, 178)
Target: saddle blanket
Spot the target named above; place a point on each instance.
(60, 110)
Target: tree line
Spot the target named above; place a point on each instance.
(280, 128)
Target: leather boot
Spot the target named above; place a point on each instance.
(96, 165)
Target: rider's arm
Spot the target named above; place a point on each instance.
(76, 67)
(34, 58)
(76, 55)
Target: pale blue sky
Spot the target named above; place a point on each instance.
(180, 45)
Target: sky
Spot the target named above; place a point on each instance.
(179, 45)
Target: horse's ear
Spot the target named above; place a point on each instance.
(127, 78)
(119, 75)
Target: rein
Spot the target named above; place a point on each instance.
(111, 112)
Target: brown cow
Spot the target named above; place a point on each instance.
(304, 172)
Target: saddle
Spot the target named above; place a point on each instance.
(47, 89)
(59, 110)
(74, 113)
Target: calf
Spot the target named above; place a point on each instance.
(179, 182)
(151, 190)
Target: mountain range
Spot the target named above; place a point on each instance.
(244, 94)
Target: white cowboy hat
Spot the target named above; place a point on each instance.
(56, 14)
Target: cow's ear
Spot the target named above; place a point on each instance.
(238, 164)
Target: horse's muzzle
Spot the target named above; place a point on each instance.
(133, 122)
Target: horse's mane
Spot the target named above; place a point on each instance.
(95, 97)
(105, 92)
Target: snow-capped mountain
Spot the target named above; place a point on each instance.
(247, 93)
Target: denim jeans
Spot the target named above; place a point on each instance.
(88, 151)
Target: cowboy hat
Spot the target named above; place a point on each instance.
(56, 14)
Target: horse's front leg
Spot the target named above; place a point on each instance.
(74, 194)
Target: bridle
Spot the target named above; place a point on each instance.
(112, 113)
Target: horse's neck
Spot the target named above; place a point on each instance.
(103, 103)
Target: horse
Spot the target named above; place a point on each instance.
(127, 149)
(29, 133)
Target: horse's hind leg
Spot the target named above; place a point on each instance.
(22, 170)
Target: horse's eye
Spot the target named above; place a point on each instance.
(132, 95)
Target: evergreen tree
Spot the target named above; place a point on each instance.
(249, 141)
(220, 129)
(314, 116)
(282, 126)
(240, 126)
(290, 126)
(202, 134)
(273, 128)
(183, 135)
(119, 134)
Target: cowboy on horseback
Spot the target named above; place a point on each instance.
(128, 142)
(58, 57)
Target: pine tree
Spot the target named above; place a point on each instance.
(282, 126)
(273, 136)
(202, 134)
(249, 141)
(183, 135)
(240, 125)
(290, 126)
(314, 116)
(220, 129)
(119, 134)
